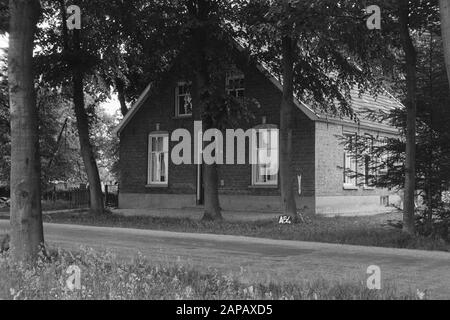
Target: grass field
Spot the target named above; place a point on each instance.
(103, 276)
(381, 230)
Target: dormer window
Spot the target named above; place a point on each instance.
(234, 84)
(183, 100)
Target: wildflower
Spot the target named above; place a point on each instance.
(14, 293)
(188, 292)
(269, 295)
(421, 295)
(249, 291)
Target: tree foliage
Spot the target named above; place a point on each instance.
(433, 148)
(334, 50)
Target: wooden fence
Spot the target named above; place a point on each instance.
(79, 198)
(67, 199)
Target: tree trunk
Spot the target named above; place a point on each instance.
(95, 189)
(411, 106)
(121, 95)
(58, 144)
(86, 150)
(27, 234)
(200, 9)
(445, 26)
(87, 153)
(287, 191)
(212, 206)
(210, 174)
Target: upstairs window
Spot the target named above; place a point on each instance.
(183, 100)
(158, 159)
(234, 84)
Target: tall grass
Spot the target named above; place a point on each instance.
(103, 276)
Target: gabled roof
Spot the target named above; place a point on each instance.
(135, 108)
(365, 105)
(361, 103)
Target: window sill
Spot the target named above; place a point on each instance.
(263, 187)
(157, 186)
(182, 117)
(368, 188)
(347, 187)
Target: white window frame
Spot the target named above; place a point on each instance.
(350, 162)
(149, 163)
(177, 100)
(234, 75)
(255, 167)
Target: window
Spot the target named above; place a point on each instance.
(158, 161)
(383, 159)
(235, 84)
(350, 163)
(369, 163)
(183, 100)
(265, 151)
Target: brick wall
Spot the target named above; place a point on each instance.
(330, 160)
(233, 179)
(317, 158)
(159, 108)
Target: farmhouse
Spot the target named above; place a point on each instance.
(149, 179)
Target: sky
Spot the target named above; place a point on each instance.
(3, 41)
(111, 106)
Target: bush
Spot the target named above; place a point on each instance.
(103, 276)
